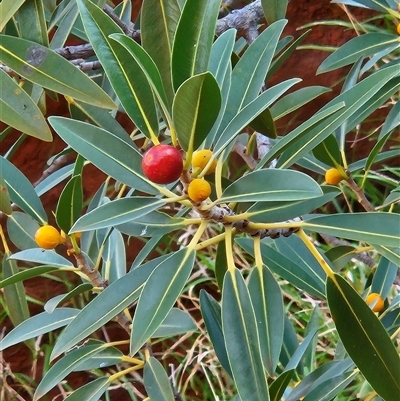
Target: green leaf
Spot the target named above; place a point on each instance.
(269, 212)
(360, 46)
(20, 111)
(112, 300)
(211, 312)
(107, 151)
(37, 325)
(5, 201)
(250, 71)
(158, 296)
(91, 391)
(114, 257)
(156, 381)
(116, 212)
(300, 351)
(193, 39)
(14, 296)
(221, 264)
(44, 257)
(264, 124)
(357, 226)
(274, 10)
(159, 19)
(340, 255)
(27, 273)
(21, 229)
(21, 191)
(290, 345)
(63, 367)
(279, 385)
(52, 303)
(246, 115)
(384, 277)
(266, 299)
(176, 322)
(44, 67)
(364, 337)
(32, 22)
(319, 375)
(152, 224)
(125, 75)
(302, 277)
(295, 100)
(8, 8)
(148, 67)
(271, 185)
(70, 203)
(242, 340)
(107, 357)
(328, 152)
(196, 106)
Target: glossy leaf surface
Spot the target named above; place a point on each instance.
(156, 381)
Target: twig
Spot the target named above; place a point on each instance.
(361, 198)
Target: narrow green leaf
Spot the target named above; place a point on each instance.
(266, 298)
(290, 345)
(302, 277)
(14, 295)
(148, 67)
(5, 201)
(21, 229)
(264, 124)
(176, 322)
(32, 22)
(65, 25)
(21, 191)
(328, 152)
(211, 312)
(156, 381)
(44, 67)
(364, 337)
(70, 203)
(296, 99)
(221, 264)
(159, 19)
(269, 212)
(20, 111)
(44, 257)
(27, 273)
(274, 10)
(107, 151)
(112, 300)
(116, 212)
(241, 339)
(91, 391)
(271, 185)
(360, 46)
(193, 39)
(354, 99)
(114, 257)
(108, 356)
(246, 115)
(279, 385)
(384, 277)
(196, 106)
(300, 351)
(63, 367)
(52, 303)
(357, 226)
(158, 296)
(250, 71)
(8, 8)
(125, 75)
(37, 325)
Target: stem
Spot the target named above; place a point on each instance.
(116, 376)
(210, 241)
(271, 226)
(195, 240)
(257, 252)
(4, 241)
(311, 247)
(229, 249)
(361, 198)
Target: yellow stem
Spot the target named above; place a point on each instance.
(218, 176)
(303, 236)
(363, 249)
(4, 241)
(121, 191)
(210, 241)
(257, 251)
(126, 358)
(116, 376)
(269, 226)
(195, 240)
(229, 249)
(115, 343)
